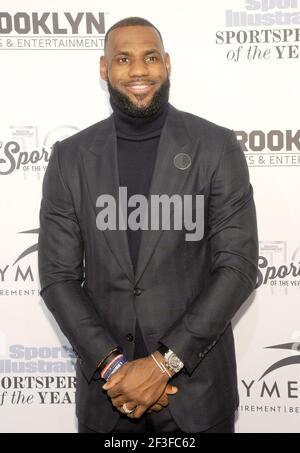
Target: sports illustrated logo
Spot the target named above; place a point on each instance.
(52, 30)
(263, 13)
(37, 375)
(114, 213)
(276, 270)
(274, 148)
(268, 394)
(276, 36)
(42, 359)
(26, 152)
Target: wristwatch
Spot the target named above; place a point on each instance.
(172, 361)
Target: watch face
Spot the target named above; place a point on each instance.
(175, 362)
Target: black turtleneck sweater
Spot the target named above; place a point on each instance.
(137, 144)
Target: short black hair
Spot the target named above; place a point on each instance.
(131, 21)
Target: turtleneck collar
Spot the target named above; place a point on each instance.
(132, 128)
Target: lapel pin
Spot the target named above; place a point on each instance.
(182, 161)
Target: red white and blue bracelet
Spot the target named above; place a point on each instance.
(114, 365)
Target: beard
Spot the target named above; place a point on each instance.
(124, 103)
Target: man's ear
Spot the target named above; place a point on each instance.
(103, 68)
(168, 63)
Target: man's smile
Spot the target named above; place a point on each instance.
(141, 87)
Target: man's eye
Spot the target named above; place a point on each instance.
(151, 59)
(123, 60)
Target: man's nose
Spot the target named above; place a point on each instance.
(138, 68)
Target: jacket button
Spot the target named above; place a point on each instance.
(129, 337)
(137, 291)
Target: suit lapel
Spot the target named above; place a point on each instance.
(166, 179)
(102, 175)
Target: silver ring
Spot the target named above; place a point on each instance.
(126, 410)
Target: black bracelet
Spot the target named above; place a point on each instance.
(108, 359)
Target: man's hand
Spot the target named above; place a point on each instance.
(163, 400)
(139, 383)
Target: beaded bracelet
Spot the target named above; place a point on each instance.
(113, 366)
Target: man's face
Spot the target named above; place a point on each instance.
(135, 64)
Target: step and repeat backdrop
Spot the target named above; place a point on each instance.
(235, 63)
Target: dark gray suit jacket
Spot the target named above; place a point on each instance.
(190, 289)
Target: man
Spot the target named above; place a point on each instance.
(146, 309)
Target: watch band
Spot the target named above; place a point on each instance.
(162, 349)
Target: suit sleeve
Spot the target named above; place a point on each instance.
(233, 245)
(61, 272)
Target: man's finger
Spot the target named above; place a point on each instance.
(130, 405)
(138, 412)
(171, 389)
(119, 401)
(109, 384)
(113, 380)
(163, 401)
(115, 391)
(155, 408)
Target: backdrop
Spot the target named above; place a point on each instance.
(235, 63)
